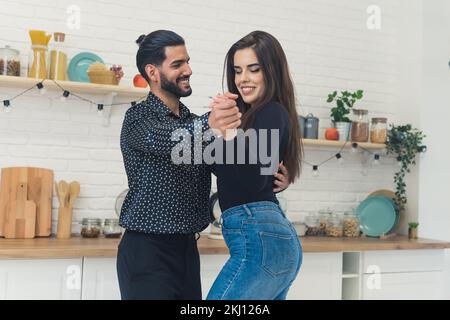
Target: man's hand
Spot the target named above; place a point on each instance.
(224, 114)
(281, 179)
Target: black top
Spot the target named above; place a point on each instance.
(164, 198)
(238, 184)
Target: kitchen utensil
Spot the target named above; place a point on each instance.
(79, 65)
(74, 191)
(377, 216)
(20, 219)
(64, 192)
(12, 177)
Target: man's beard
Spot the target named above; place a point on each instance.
(173, 88)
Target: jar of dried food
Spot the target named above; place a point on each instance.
(334, 227)
(324, 219)
(91, 228)
(360, 126)
(111, 229)
(58, 58)
(9, 62)
(37, 62)
(378, 130)
(351, 225)
(312, 225)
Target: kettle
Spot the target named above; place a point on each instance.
(311, 129)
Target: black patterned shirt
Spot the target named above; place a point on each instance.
(163, 197)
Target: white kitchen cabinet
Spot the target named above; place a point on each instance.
(100, 279)
(403, 275)
(320, 278)
(404, 286)
(43, 279)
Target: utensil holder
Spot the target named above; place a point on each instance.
(64, 230)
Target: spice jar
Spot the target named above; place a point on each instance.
(111, 229)
(58, 58)
(312, 224)
(351, 225)
(91, 228)
(334, 227)
(9, 62)
(378, 130)
(360, 126)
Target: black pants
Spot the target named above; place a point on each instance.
(158, 267)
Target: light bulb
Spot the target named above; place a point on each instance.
(315, 171)
(42, 89)
(354, 147)
(376, 160)
(65, 96)
(340, 159)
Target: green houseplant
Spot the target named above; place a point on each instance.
(339, 114)
(412, 230)
(406, 143)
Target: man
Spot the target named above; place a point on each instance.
(167, 204)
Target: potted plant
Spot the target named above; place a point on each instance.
(412, 230)
(406, 143)
(344, 104)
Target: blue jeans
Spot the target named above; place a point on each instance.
(265, 254)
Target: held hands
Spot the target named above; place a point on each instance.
(225, 116)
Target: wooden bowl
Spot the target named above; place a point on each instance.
(103, 77)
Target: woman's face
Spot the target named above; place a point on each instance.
(248, 77)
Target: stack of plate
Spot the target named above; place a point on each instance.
(378, 214)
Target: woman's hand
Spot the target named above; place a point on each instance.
(281, 179)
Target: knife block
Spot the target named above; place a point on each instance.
(64, 229)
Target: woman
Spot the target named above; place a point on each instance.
(265, 252)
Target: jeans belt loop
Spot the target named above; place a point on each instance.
(247, 210)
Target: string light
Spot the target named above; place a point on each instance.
(315, 171)
(65, 96)
(376, 160)
(100, 110)
(339, 158)
(354, 147)
(7, 105)
(42, 89)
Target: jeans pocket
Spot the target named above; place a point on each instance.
(278, 251)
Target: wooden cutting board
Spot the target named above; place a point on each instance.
(40, 190)
(20, 220)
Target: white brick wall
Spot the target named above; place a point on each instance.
(327, 43)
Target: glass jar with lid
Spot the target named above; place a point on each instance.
(37, 62)
(91, 228)
(324, 219)
(334, 228)
(312, 225)
(360, 126)
(111, 229)
(58, 58)
(351, 224)
(9, 62)
(378, 130)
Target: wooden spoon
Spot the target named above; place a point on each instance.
(74, 192)
(64, 192)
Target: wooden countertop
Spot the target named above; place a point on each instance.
(41, 248)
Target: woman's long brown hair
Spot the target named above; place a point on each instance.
(278, 87)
